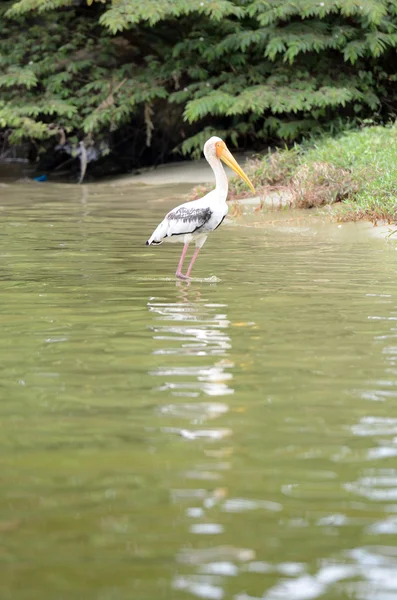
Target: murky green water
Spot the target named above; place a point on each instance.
(160, 440)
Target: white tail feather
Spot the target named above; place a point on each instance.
(159, 233)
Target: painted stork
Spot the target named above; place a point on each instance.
(195, 220)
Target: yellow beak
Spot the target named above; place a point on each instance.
(227, 157)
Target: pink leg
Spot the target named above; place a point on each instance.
(180, 264)
(192, 262)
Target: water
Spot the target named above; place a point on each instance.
(226, 439)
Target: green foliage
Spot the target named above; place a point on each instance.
(179, 70)
(122, 15)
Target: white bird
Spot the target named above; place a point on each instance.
(195, 220)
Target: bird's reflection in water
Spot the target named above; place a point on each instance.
(197, 332)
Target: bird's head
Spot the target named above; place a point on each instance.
(215, 147)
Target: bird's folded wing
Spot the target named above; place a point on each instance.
(185, 219)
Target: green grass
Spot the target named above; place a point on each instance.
(370, 156)
(356, 172)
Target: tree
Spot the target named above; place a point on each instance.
(180, 70)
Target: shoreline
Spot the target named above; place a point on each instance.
(191, 173)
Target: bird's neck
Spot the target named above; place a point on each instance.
(221, 182)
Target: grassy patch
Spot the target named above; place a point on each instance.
(358, 170)
(370, 156)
